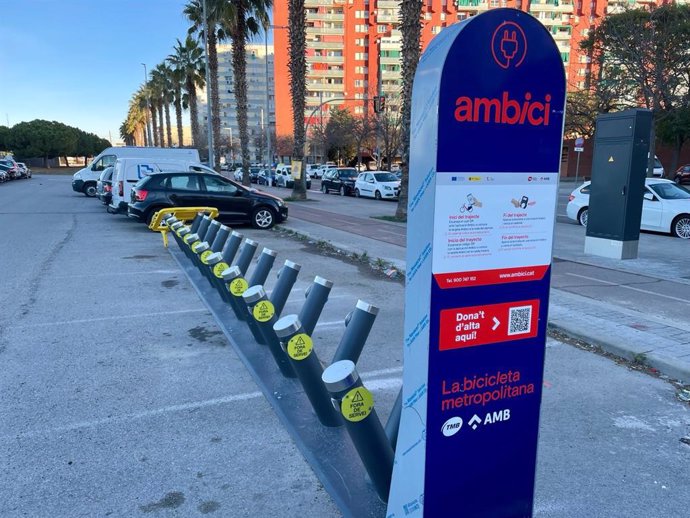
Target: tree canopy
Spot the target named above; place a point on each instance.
(51, 139)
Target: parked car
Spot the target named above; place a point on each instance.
(323, 169)
(658, 170)
(284, 177)
(85, 179)
(253, 174)
(24, 170)
(104, 187)
(665, 208)
(267, 177)
(341, 179)
(236, 203)
(11, 169)
(682, 174)
(4, 177)
(377, 184)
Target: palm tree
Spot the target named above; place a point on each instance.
(215, 11)
(142, 103)
(297, 66)
(411, 28)
(177, 79)
(188, 60)
(158, 100)
(151, 94)
(241, 20)
(162, 74)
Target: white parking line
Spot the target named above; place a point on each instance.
(104, 319)
(380, 384)
(670, 297)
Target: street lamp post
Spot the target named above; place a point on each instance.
(209, 122)
(148, 107)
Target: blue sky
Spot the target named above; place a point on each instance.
(79, 61)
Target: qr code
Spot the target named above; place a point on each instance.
(520, 320)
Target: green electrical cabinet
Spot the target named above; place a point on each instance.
(619, 168)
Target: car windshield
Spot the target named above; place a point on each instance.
(670, 191)
(348, 173)
(385, 177)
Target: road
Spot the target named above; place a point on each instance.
(656, 284)
(120, 396)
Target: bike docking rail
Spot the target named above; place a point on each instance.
(353, 459)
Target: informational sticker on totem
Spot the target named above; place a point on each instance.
(487, 124)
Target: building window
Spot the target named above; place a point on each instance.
(360, 14)
(359, 109)
(360, 28)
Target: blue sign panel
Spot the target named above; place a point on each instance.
(489, 98)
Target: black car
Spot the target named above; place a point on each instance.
(341, 180)
(235, 203)
(267, 177)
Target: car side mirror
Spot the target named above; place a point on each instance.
(649, 196)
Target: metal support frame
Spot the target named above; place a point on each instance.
(263, 312)
(247, 252)
(362, 423)
(286, 280)
(393, 423)
(263, 267)
(298, 345)
(358, 325)
(317, 296)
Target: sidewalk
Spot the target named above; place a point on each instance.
(661, 344)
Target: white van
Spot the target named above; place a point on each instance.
(84, 180)
(128, 171)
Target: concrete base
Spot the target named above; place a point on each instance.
(611, 248)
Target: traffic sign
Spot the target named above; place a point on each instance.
(479, 245)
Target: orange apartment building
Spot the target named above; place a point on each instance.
(353, 46)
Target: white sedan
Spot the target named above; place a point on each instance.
(665, 208)
(377, 184)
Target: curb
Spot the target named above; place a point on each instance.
(671, 367)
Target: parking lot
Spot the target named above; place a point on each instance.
(121, 397)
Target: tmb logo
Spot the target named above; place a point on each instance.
(509, 45)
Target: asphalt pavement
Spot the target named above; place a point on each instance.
(121, 397)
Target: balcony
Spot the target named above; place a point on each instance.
(391, 18)
(324, 44)
(561, 36)
(551, 7)
(318, 3)
(324, 87)
(326, 73)
(390, 74)
(472, 6)
(326, 59)
(325, 17)
(388, 4)
(326, 31)
(391, 61)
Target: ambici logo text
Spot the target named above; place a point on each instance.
(504, 110)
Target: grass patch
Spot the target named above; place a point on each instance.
(296, 200)
(391, 218)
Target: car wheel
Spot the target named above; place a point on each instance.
(356, 193)
(583, 216)
(90, 190)
(681, 226)
(324, 189)
(377, 195)
(263, 218)
(342, 190)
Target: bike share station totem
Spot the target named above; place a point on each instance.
(487, 125)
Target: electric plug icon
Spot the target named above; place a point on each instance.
(509, 45)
